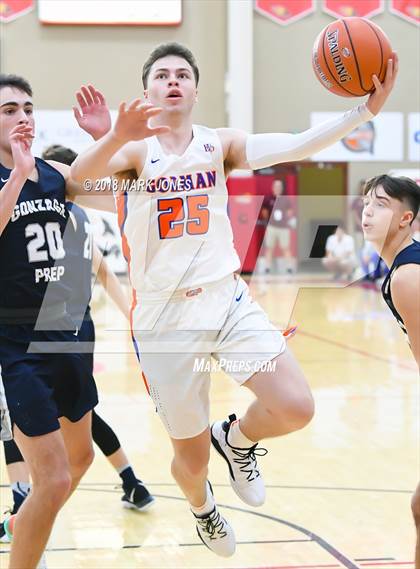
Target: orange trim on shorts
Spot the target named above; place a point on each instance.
(121, 215)
(145, 382)
(290, 332)
(133, 307)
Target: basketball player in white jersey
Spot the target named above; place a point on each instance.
(189, 304)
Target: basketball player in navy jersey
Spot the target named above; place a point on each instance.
(81, 256)
(187, 297)
(46, 399)
(390, 206)
(79, 239)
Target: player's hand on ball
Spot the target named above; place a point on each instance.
(20, 142)
(382, 90)
(133, 121)
(93, 115)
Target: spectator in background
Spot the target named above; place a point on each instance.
(340, 255)
(278, 212)
(372, 266)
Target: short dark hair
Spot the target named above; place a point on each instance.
(400, 188)
(16, 82)
(165, 49)
(59, 154)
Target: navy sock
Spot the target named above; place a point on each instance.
(18, 499)
(128, 478)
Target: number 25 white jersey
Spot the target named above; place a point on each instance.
(174, 223)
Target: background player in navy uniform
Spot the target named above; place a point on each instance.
(46, 398)
(81, 254)
(390, 207)
(79, 238)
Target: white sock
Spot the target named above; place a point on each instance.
(21, 488)
(119, 470)
(236, 438)
(208, 505)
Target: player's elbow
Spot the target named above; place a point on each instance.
(75, 172)
(79, 172)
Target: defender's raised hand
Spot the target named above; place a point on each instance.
(382, 90)
(133, 121)
(20, 142)
(93, 115)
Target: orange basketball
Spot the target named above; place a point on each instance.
(347, 53)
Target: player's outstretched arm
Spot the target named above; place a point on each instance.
(262, 150)
(75, 192)
(24, 163)
(112, 153)
(110, 281)
(405, 291)
(92, 114)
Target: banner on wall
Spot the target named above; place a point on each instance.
(407, 9)
(111, 12)
(414, 137)
(345, 8)
(413, 173)
(381, 139)
(12, 9)
(285, 12)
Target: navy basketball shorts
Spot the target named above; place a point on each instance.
(42, 377)
(86, 337)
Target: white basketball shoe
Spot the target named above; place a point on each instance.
(245, 478)
(215, 532)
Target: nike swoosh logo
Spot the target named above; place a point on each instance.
(153, 161)
(239, 297)
(4, 180)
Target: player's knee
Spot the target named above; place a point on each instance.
(87, 459)
(82, 462)
(305, 411)
(57, 490)
(296, 414)
(415, 506)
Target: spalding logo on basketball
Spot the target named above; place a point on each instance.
(347, 53)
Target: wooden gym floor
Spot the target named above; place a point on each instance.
(338, 491)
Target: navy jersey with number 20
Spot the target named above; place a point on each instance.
(31, 245)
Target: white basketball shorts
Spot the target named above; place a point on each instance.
(180, 341)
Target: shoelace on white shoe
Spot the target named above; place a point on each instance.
(212, 524)
(248, 461)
